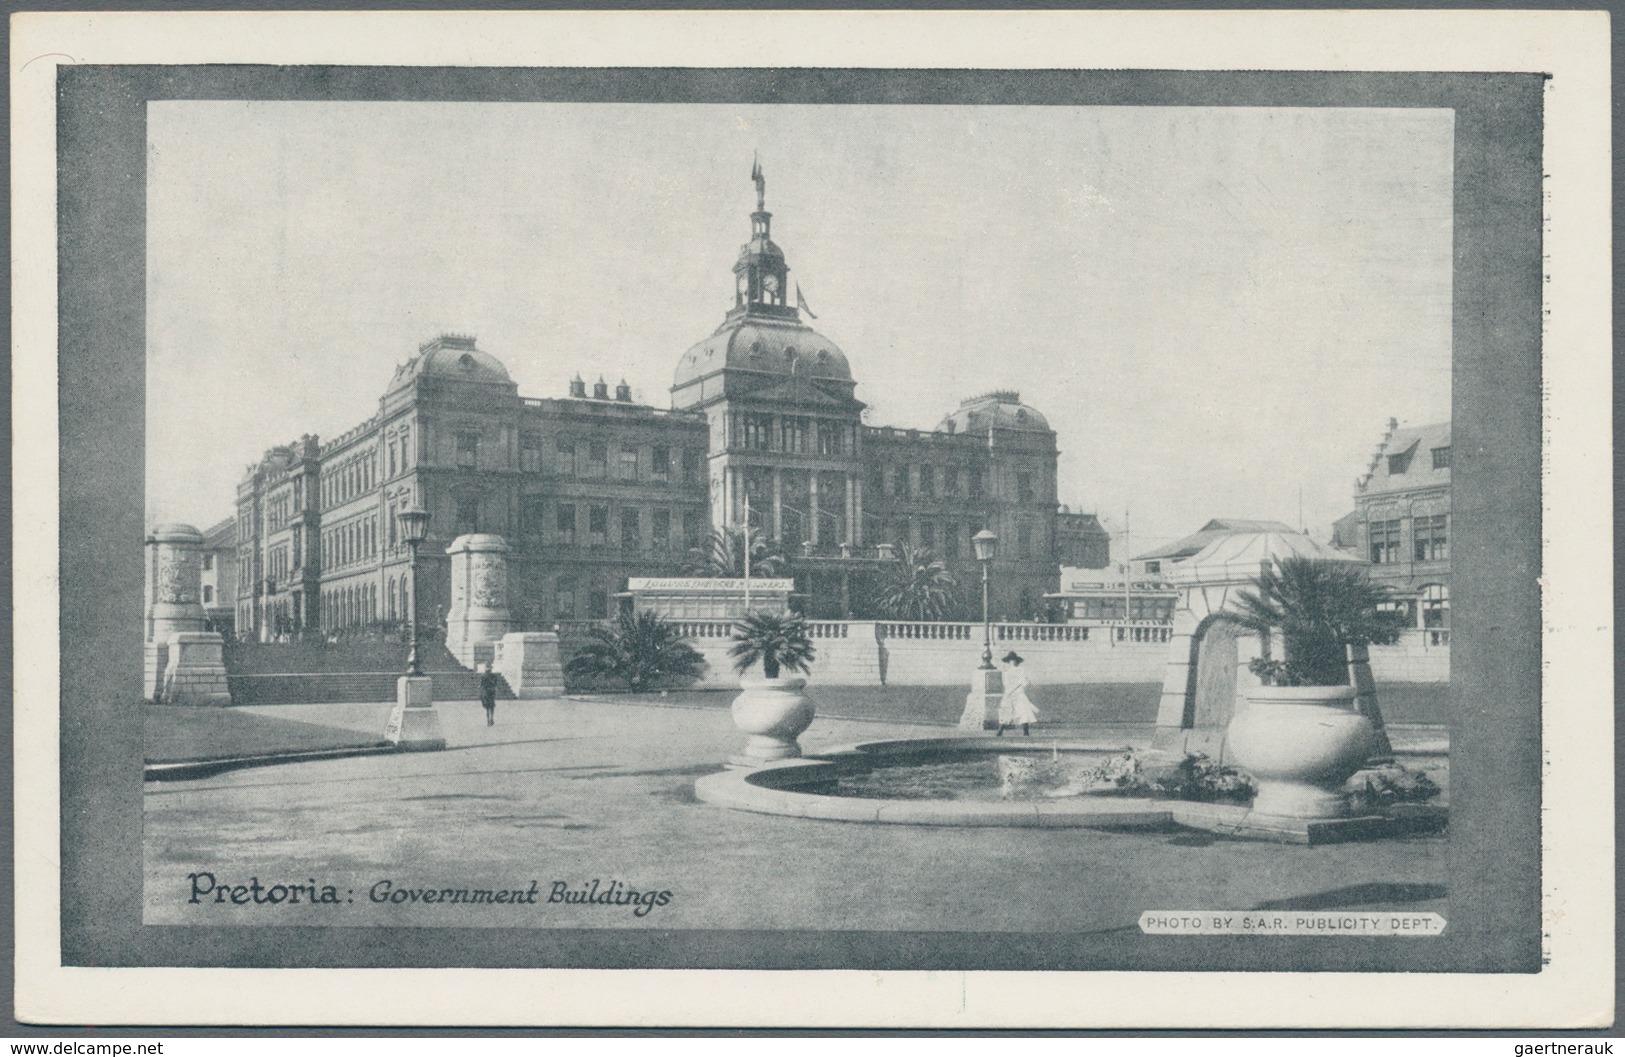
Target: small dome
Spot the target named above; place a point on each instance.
(175, 532)
(765, 345)
(451, 356)
(1001, 409)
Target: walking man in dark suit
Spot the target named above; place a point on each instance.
(488, 695)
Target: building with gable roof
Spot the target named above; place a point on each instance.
(764, 428)
(1401, 522)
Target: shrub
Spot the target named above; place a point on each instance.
(640, 649)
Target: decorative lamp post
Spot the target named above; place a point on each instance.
(414, 724)
(986, 545)
(987, 682)
(414, 527)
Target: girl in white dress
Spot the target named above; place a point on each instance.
(1016, 707)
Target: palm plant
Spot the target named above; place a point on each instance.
(1320, 607)
(723, 554)
(639, 649)
(775, 640)
(917, 586)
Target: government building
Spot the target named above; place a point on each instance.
(590, 488)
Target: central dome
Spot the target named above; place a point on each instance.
(767, 346)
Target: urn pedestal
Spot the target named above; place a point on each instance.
(773, 712)
(1301, 743)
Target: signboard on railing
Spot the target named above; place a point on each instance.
(704, 585)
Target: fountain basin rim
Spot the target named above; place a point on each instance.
(779, 788)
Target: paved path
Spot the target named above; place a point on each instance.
(573, 791)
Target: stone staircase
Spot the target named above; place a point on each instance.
(361, 674)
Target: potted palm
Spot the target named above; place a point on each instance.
(1299, 734)
(771, 707)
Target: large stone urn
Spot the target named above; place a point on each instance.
(1301, 743)
(773, 712)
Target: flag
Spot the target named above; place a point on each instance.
(801, 303)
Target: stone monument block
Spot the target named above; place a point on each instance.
(479, 615)
(529, 661)
(196, 672)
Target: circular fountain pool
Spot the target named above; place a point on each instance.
(986, 781)
(963, 781)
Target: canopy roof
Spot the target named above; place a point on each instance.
(1240, 556)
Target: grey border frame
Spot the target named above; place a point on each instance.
(1494, 862)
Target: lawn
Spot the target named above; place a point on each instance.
(175, 733)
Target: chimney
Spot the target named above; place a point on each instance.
(623, 392)
(600, 389)
(578, 388)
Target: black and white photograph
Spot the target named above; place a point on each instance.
(928, 518)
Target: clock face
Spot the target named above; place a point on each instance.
(771, 283)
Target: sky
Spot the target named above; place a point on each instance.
(1218, 309)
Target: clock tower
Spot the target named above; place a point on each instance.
(785, 433)
(761, 278)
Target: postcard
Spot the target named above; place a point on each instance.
(838, 519)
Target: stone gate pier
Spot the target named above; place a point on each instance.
(182, 664)
(479, 616)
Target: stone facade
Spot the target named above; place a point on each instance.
(591, 488)
(1402, 524)
(217, 576)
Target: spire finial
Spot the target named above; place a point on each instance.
(759, 180)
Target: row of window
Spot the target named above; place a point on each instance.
(592, 458)
(932, 482)
(795, 434)
(350, 543)
(277, 510)
(359, 474)
(1138, 607)
(1430, 609)
(357, 604)
(1430, 540)
(572, 523)
(354, 477)
(950, 540)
